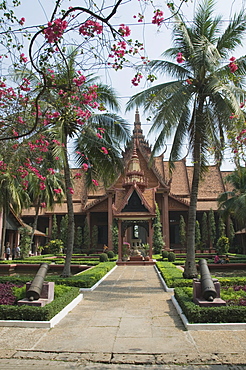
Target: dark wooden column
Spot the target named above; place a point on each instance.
(119, 240)
(110, 222)
(50, 225)
(150, 239)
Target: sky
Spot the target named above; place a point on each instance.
(156, 40)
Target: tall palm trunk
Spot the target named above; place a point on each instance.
(190, 270)
(34, 227)
(4, 216)
(70, 234)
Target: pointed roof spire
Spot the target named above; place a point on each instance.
(137, 125)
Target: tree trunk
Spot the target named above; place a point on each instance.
(34, 227)
(3, 233)
(70, 234)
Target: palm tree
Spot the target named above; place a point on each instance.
(63, 97)
(197, 105)
(67, 127)
(12, 193)
(232, 203)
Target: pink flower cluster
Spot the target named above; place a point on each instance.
(55, 30)
(104, 150)
(233, 66)
(136, 79)
(79, 80)
(140, 17)
(180, 58)
(124, 30)
(90, 27)
(158, 17)
(23, 58)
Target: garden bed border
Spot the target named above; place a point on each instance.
(57, 318)
(202, 326)
(99, 281)
(43, 324)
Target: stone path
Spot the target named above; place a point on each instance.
(127, 322)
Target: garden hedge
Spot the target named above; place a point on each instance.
(197, 314)
(30, 313)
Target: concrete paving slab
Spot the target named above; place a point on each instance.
(127, 322)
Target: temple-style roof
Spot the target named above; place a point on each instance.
(145, 181)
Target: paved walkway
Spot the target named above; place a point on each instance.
(127, 322)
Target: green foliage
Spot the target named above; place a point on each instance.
(30, 313)
(78, 240)
(204, 231)
(94, 238)
(87, 238)
(115, 235)
(197, 235)
(172, 275)
(24, 242)
(110, 254)
(158, 242)
(103, 257)
(87, 278)
(64, 230)
(164, 253)
(54, 231)
(197, 314)
(221, 227)
(212, 226)
(171, 256)
(55, 246)
(182, 231)
(231, 235)
(223, 245)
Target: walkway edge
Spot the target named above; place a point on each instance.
(163, 281)
(99, 281)
(43, 324)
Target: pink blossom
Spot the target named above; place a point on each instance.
(42, 185)
(99, 135)
(57, 191)
(23, 58)
(79, 80)
(22, 21)
(43, 204)
(233, 67)
(158, 17)
(104, 150)
(180, 58)
(71, 191)
(95, 182)
(55, 30)
(84, 166)
(77, 176)
(136, 79)
(124, 30)
(51, 171)
(90, 27)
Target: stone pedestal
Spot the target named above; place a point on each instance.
(46, 295)
(199, 300)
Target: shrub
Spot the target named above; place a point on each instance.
(55, 246)
(223, 245)
(171, 256)
(164, 254)
(110, 254)
(103, 257)
(197, 314)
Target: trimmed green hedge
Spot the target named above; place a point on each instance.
(30, 313)
(172, 275)
(197, 314)
(87, 278)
